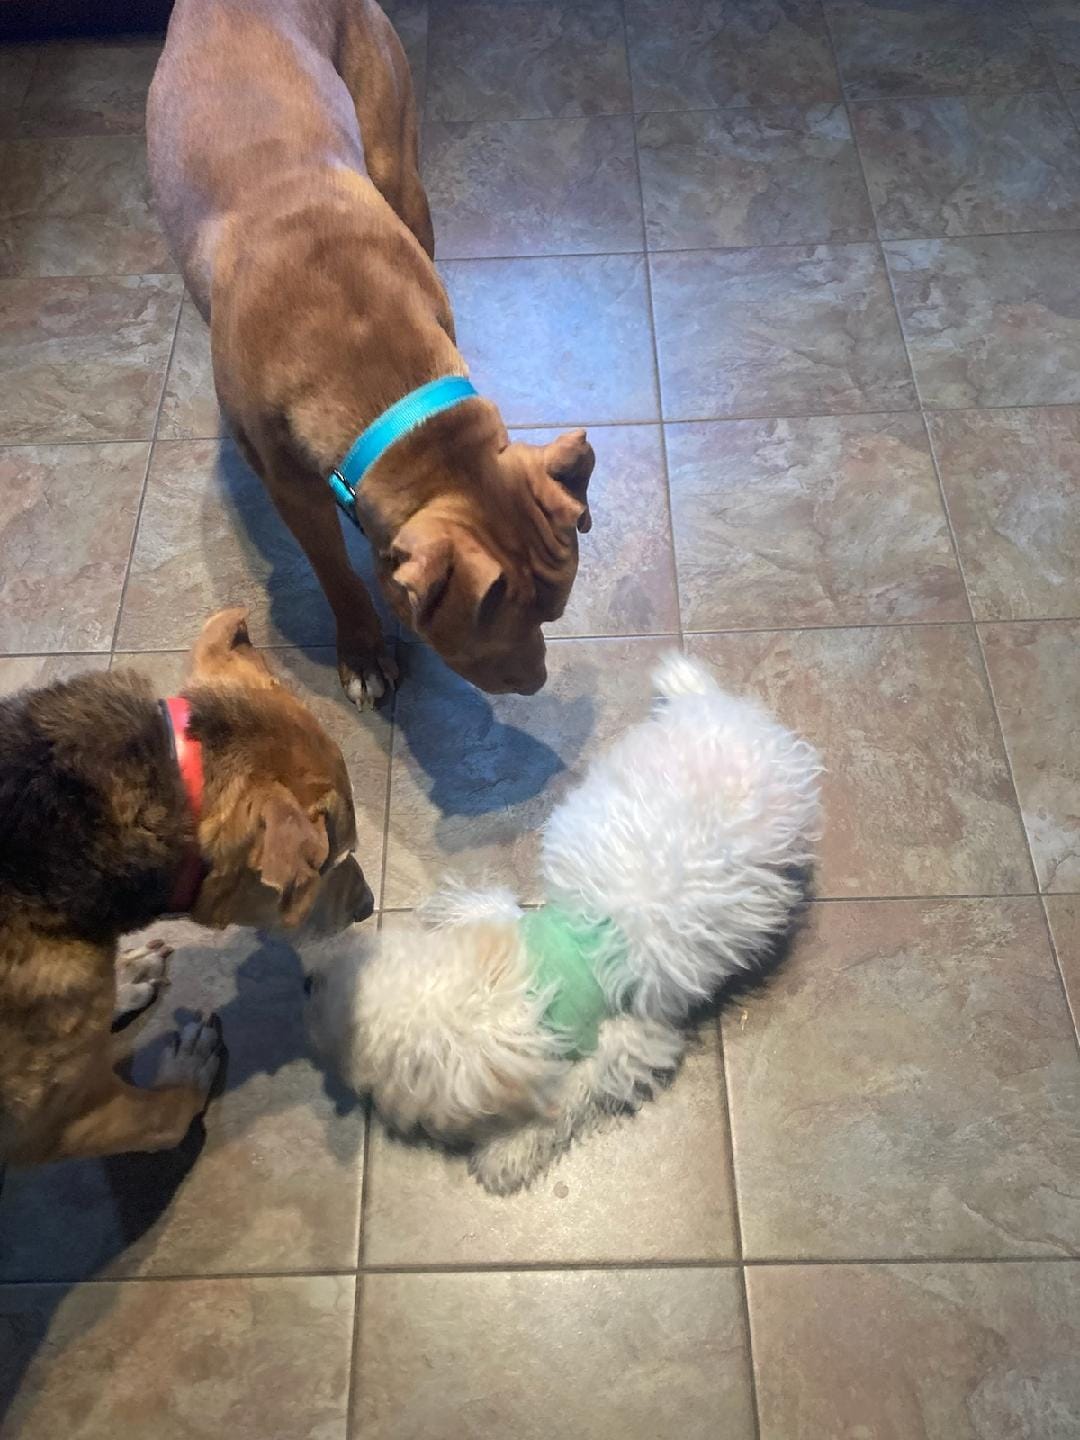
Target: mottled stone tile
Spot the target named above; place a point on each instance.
(934, 47)
(67, 513)
(693, 54)
(78, 207)
(970, 165)
(751, 177)
(675, 1340)
(1058, 22)
(533, 187)
(913, 1063)
(1012, 484)
(492, 61)
(656, 1186)
(84, 359)
(991, 321)
(825, 521)
(209, 536)
(626, 576)
(410, 20)
(189, 407)
(196, 1358)
(777, 331)
(474, 775)
(1063, 913)
(559, 340)
(943, 1352)
(90, 88)
(26, 672)
(916, 790)
(1035, 675)
(16, 72)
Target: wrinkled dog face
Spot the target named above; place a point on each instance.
(477, 583)
(281, 850)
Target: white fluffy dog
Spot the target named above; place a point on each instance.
(670, 870)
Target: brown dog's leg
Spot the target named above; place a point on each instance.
(367, 672)
(116, 1117)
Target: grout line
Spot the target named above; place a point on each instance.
(657, 381)
(146, 480)
(514, 1267)
(354, 1347)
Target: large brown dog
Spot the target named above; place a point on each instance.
(283, 155)
(96, 829)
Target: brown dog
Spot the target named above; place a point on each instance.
(283, 155)
(98, 835)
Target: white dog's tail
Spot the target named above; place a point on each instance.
(678, 675)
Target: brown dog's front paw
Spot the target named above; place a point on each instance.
(194, 1056)
(367, 678)
(140, 973)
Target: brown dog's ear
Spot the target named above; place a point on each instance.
(288, 848)
(422, 557)
(224, 651)
(570, 460)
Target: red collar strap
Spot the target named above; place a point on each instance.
(187, 752)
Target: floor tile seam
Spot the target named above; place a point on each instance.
(544, 1267)
(1073, 1009)
(146, 481)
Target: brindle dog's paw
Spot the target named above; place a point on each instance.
(366, 679)
(140, 974)
(193, 1055)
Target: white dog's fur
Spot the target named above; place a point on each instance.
(690, 834)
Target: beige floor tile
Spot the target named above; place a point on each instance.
(562, 340)
(908, 1085)
(1035, 675)
(770, 176)
(1058, 23)
(634, 1354)
(474, 776)
(1063, 912)
(189, 409)
(827, 521)
(942, 1352)
(16, 74)
(188, 1361)
(1012, 483)
(24, 672)
(67, 514)
(777, 331)
(533, 187)
(78, 207)
(916, 790)
(626, 577)
(652, 1187)
(933, 47)
(84, 359)
(209, 537)
(492, 61)
(90, 88)
(992, 320)
(694, 54)
(970, 165)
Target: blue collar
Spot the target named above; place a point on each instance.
(391, 426)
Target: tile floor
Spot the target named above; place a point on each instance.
(811, 274)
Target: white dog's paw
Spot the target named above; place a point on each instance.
(365, 681)
(140, 974)
(193, 1056)
(508, 1163)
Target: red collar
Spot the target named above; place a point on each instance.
(187, 751)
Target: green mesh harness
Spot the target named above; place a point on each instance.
(562, 948)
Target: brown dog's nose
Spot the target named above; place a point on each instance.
(365, 905)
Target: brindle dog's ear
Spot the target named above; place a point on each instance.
(288, 848)
(224, 651)
(570, 460)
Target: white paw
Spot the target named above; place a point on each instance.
(366, 683)
(508, 1163)
(140, 973)
(193, 1056)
